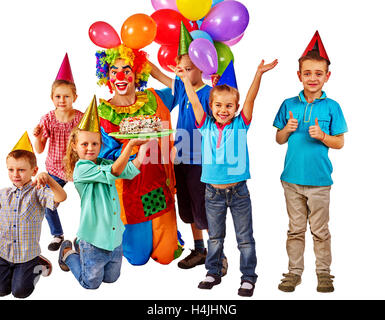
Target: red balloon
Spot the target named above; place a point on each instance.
(103, 35)
(167, 56)
(168, 23)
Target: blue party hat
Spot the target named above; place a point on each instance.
(228, 76)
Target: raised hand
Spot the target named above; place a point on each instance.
(292, 123)
(262, 68)
(180, 72)
(316, 132)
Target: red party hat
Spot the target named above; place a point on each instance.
(65, 72)
(317, 45)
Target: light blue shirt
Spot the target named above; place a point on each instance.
(225, 157)
(307, 161)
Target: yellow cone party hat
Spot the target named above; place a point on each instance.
(90, 120)
(24, 143)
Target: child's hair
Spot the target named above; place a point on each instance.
(24, 154)
(313, 55)
(178, 58)
(71, 156)
(223, 88)
(58, 83)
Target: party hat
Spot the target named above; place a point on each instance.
(24, 143)
(65, 72)
(228, 77)
(90, 120)
(316, 45)
(185, 40)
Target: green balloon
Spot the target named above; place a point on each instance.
(224, 56)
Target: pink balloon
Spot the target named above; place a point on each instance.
(234, 41)
(164, 4)
(204, 55)
(104, 35)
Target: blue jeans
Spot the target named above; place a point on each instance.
(94, 265)
(52, 216)
(237, 198)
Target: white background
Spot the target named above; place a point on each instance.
(35, 35)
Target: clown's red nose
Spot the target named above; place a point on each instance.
(120, 76)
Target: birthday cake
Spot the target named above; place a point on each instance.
(140, 124)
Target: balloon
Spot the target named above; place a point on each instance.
(203, 54)
(164, 4)
(194, 9)
(225, 21)
(167, 56)
(138, 31)
(196, 34)
(234, 41)
(215, 2)
(103, 35)
(225, 55)
(168, 22)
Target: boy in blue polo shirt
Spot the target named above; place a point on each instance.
(310, 123)
(188, 164)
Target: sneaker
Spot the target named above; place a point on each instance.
(210, 281)
(246, 289)
(56, 243)
(66, 244)
(46, 266)
(194, 259)
(325, 282)
(290, 281)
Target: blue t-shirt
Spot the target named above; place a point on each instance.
(307, 161)
(225, 157)
(187, 137)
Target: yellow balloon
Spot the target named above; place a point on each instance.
(194, 9)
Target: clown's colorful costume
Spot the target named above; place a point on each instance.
(147, 201)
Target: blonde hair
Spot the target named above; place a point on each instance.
(223, 88)
(58, 83)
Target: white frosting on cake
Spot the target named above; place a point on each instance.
(140, 124)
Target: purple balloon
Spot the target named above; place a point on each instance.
(226, 20)
(204, 55)
(164, 4)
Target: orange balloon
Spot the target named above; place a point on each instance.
(138, 31)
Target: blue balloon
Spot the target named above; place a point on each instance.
(196, 34)
(216, 2)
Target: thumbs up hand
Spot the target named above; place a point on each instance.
(292, 123)
(316, 132)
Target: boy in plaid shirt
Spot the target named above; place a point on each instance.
(21, 214)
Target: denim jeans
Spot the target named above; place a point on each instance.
(94, 265)
(237, 198)
(52, 216)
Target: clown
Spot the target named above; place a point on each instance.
(147, 201)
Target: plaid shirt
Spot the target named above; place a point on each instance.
(21, 217)
(58, 134)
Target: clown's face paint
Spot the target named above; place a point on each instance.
(122, 77)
